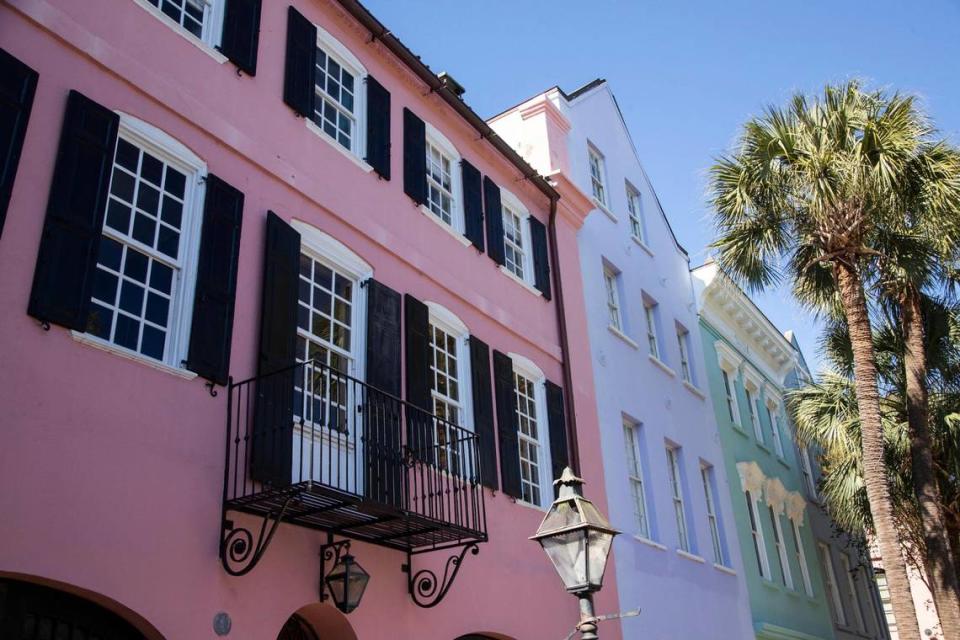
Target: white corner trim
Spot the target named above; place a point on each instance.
(690, 556)
(662, 365)
(620, 334)
(694, 390)
(724, 569)
(103, 345)
(446, 317)
(462, 239)
(331, 248)
(183, 33)
(350, 155)
(602, 207)
(643, 245)
(649, 542)
(523, 283)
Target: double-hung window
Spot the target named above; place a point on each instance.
(597, 171)
(650, 313)
(202, 19)
(807, 469)
(774, 414)
(440, 198)
(610, 278)
(780, 544)
(730, 396)
(706, 476)
(518, 258)
(531, 433)
(756, 533)
(676, 490)
(754, 414)
(338, 106)
(631, 437)
(635, 211)
(683, 339)
(145, 272)
(730, 363)
(853, 596)
(801, 558)
(830, 582)
(448, 359)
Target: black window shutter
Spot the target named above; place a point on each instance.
(382, 413)
(472, 204)
(416, 320)
(378, 128)
(241, 34)
(559, 455)
(272, 442)
(504, 387)
(414, 157)
(483, 411)
(491, 194)
(18, 83)
(78, 200)
(541, 259)
(301, 62)
(211, 331)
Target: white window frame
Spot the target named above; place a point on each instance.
(611, 282)
(780, 544)
(713, 521)
(448, 322)
(676, 491)
(752, 383)
(807, 469)
(853, 596)
(598, 183)
(511, 204)
(525, 367)
(730, 363)
(686, 369)
(212, 31)
(756, 531)
(830, 582)
(436, 139)
(160, 144)
(635, 213)
(334, 49)
(773, 414)
(801, 558)
(650, 311)
(635, 478)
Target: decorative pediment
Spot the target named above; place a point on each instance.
(776, 495)
(730, 360)
(752, 380)
(751, 477)
(796, 506)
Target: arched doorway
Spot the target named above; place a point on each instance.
(36, 612)
(297, 628)
(317, 621)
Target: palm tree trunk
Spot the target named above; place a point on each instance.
(874, 471)
(938, 560)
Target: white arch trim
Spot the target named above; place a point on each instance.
(446, 317)
(526, 365)
(326, 245)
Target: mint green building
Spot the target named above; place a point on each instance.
(747, 362)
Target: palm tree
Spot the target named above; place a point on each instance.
(806, 196)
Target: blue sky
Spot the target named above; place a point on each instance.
(688, 74)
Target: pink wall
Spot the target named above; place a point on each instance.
(113, 470)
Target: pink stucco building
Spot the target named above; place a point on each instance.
(283, 206)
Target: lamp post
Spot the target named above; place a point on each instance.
(576, 538)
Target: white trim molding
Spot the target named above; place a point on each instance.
(730, 361)
(328, 246)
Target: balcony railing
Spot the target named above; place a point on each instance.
(315, 447)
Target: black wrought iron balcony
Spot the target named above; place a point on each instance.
(312, 446)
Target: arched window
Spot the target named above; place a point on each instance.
(533, 433)
(444, 191)
(339, 110)
(449, 383)
(518, 257)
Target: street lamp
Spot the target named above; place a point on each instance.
(346, 581)
(577, 538)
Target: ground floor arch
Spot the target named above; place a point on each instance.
(317, 621)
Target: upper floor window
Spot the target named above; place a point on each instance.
(631, 442)
(143, 287)
(853, 596)
(610, 282)
(730, 396)
(756, 533)
(706, 476)
(650, 309)
(683, 340)
(773, 412)
(516, 237)
(635, 210)
(754, 414)
(781, 546)
(443, 179)
(200, 18)
(830, 582)
(597, 171)
(801, 558)
(676, 490)
(338, 106)
(450, 377)
(807, 470)
(532, 433)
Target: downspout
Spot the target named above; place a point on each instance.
(572, 444)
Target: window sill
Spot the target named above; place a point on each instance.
(662, 365)
(98, 343)
(183, 33)
(690, 556)
(602, 207)
(529, 505)
(643, 245)
(520, 281)
(649, 542)
(724, 569)
(694, 390)
(462, 239)
(763, 445)
(770, 584)
(740, 431)
(620, 334)
(311, 125)
(783, 461)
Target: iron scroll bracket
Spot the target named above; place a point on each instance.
(238, 552)
(331, 553)
(425, 588)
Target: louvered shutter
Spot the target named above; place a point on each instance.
(382, 413)
(67, 258)
(559, 454)
(494, 216)
(472, 204)
(416, 319)
(483, 411)
(541, 259)
(300, 65)
(272, 442)
(414, 157)
(18, 83)
(211, 330)
(504, 387)
(378, 128)
(241, 34)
